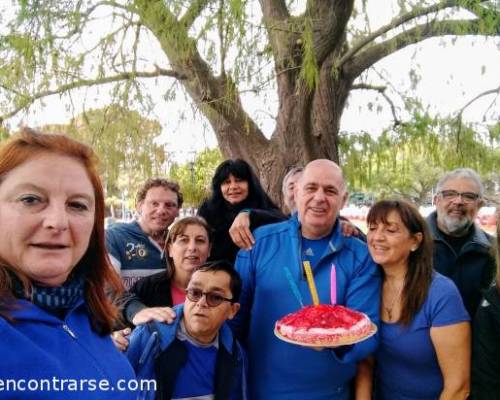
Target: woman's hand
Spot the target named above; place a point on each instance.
(240, 231)
(161, 314)
(120, 338)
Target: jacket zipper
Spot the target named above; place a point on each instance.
(69, 331)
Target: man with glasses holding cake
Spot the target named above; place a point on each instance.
(195, 356)
(461, 248)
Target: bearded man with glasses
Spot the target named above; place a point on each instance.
(196, 356)
(461, 248)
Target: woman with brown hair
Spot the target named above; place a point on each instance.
(187, 246)
(55, 278)
(424, 350)
(486, 338)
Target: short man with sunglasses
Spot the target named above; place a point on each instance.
(461, 248)
(196, 356)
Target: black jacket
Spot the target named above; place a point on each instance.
(472, 269)
(486, 348)
(151, 291)
(223, 247)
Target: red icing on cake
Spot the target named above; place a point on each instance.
(324, 325)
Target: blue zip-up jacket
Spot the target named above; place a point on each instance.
(472, 270)
(279, 370)
(154, 349)
(37, 347)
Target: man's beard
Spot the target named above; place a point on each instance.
(455, 226)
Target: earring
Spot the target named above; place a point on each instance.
(414, 248)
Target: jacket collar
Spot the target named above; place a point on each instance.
(492, 295)
(335, 240)
(478, 237)
(168, 331)
(27, 311)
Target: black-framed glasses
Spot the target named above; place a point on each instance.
(213, 299)
(467, 197)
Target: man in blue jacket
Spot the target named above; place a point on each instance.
(195, 356)
(274, 284)
(462, 250)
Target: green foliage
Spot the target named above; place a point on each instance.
(409, 159)
(124, 141)
(310, 70)
(195, 177)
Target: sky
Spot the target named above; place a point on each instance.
(451, 73)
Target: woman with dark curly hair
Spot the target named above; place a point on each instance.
(238, 204)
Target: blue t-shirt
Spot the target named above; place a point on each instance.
(406, 363)
(313, 249)
(195, 379)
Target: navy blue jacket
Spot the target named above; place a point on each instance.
(155, 352)
(472, 269)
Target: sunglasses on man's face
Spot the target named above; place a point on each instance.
(213, 299)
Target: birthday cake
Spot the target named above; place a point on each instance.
(324, 325)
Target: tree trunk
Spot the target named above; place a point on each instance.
(308, 118)
(307, 128)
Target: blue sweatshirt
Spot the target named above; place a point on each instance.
(46, 358)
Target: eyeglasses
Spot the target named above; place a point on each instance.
(213, 299)
(467, 197)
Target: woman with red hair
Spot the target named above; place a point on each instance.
(55, 278)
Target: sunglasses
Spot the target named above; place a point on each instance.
(212, 299)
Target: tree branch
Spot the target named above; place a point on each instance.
(381, 90)
(124, 76)
(193, 12)
(282, 36)
(274, 10)
(396, 22)
(330, 21)
(375, 53)
(216, 96)
(482, 94)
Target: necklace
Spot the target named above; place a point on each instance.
(389, 307)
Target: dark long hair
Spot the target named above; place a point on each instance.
(218, 212)
(257, 197)
(101, 282)
(419, 274)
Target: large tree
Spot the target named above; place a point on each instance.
(217, 49)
